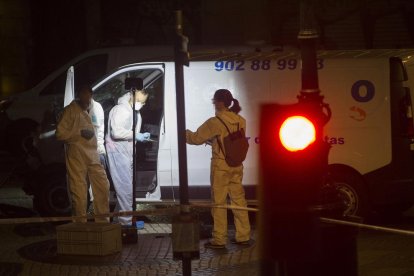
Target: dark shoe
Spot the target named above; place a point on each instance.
(214, 246)
(233, 241)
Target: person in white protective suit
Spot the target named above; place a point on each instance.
(225, 180)
(98, 120)
(96, 113)
(119, 148)
(76, 130)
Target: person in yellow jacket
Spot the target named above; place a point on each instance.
(76, 130)
(225, 180)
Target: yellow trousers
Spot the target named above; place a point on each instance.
(80, 166)
(227, 181)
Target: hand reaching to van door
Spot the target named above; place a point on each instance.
(141, 137)
(209, 142)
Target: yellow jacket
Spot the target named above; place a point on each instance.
(68, 130)
(213, 129)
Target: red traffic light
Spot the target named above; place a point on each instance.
(297, 133)
(293, 162)
(293, 154)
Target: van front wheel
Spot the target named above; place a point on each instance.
(52, 199)
(351, 190)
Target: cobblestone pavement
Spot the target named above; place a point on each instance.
(30, 249)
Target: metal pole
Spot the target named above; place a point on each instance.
(181, 128)
(134, 180)
(341, 252)
(186, 265)
(179, 88)
(308, 36)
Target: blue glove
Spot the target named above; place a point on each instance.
(141, 137)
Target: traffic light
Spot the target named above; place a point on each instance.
(297, 133)
(293, 154)
(293, 161)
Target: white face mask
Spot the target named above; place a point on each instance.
(138, 106)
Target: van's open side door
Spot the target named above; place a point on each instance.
(69, 87)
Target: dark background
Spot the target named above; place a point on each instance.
(38, 36)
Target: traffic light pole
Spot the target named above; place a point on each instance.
(310, 93)
(294, 180)
(308, 37)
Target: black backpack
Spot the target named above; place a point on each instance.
(235, 146)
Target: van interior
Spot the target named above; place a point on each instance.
(152, 113)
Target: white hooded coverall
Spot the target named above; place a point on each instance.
(119, 147)
(225, 180)
(82, 160)
(98, 121)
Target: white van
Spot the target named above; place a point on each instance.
(370, 128)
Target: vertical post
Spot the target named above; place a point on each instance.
(183, 224)
(292, 180)
(337, 243)
(134, 155)
(308, 36)
(180, 98)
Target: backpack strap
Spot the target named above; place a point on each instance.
(218, 138)
(221, 146)
(228, 130)
(221, 120)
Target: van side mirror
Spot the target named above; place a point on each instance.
(134, 83)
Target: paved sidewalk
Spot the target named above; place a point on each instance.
(30, 249)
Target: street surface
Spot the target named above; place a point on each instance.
(30, 249)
